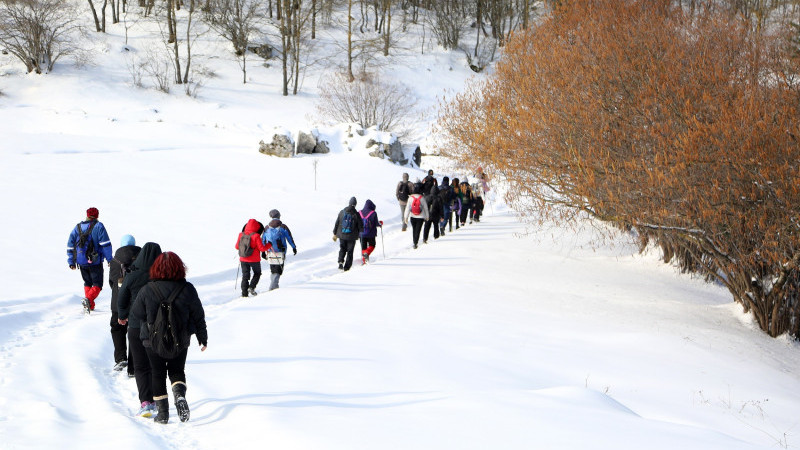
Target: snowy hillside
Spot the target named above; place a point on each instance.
(487, 338)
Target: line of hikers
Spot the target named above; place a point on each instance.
(425, 204)
(152, 305)
(147, 283)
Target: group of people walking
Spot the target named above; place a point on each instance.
(427, 204)
(148, 286)
(146, 283)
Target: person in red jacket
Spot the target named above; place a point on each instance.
(250, 255)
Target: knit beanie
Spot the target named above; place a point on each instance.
(353, 201)
(275, 214)
(92, 213)
(127, 240)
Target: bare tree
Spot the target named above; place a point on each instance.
(235, 20)
(294, 23)
(39, 32)
(366, 101)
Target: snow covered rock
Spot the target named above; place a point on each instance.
(281, 145)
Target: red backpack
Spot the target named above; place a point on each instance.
(416, 205)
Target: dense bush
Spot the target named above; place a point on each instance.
(682, 126)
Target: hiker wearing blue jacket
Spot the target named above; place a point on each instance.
(87, 246)
(277, 234)
(370, 230)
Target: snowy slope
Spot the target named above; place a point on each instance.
(491, 337)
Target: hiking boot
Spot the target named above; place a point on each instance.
(253, 292)
(341, 266)
(86, 305)
(405, 227)
(245, 293)
(120, 365)
(131, 375)
(424, 241)
(179, 390)
(415, 246)
(163, 410)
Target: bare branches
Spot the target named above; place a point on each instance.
(653, 118)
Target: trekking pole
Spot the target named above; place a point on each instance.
(383, 250)
(236, 283)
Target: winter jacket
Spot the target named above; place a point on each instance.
(429, 184)
(446, 197)
(255, 242)
(435, 211)
(122, 262)
(423, 205)
(277, 235)
(402, 194)
(136, 280)
(358, 225)
(187, 309)
(465, 196)
(370, 220)
(98, 236)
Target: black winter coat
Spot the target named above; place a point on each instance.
(358, 225)
(123, 258)
(435, 211)
(187, 306)
(135, 280)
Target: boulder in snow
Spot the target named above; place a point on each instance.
(281, 145)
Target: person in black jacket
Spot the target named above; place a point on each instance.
(434, 215)
(119, 267)
(169, 275)
(133, 282)
(347, 229)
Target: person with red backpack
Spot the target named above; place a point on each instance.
(87, 246)
(371, 223)
(417, 210)
(250, 247)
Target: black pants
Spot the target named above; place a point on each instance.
(416, 227)
(346, 253)
(247, 283)
(141, 366)
(464, 213)
(477, 209)
(174, 368)
(449, 219)
(92, 275)
(426, 231)
(119, 333)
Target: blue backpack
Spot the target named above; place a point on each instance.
(347, 223)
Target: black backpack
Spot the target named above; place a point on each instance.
(166, 335)
(86, 243)
(244, 245)
(403, 191)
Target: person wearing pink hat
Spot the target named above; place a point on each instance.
(88, 245)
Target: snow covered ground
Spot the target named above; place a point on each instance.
(489, 338)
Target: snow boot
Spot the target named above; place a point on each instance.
(120, 365)
(162, 405)
(252, 292)
(86, 306)
(179, 390)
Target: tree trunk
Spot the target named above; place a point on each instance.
(350, 76)
(96, 19)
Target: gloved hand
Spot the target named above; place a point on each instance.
(381, 223)
(294, 250)
(335, 238)
(264, 255)
(72, 266)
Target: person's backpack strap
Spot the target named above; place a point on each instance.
(172, 295)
